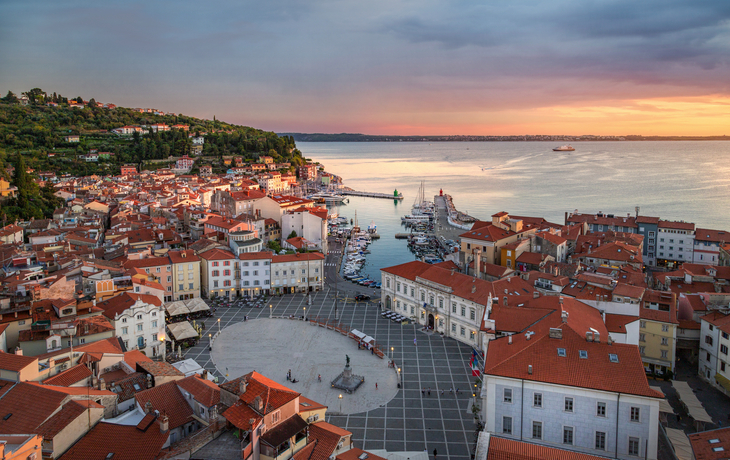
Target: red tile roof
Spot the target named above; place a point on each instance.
(135, 356)
(704, 444)
(167, 399)
(296, 257)
(676, 225)
(512, 449)
(16, 363)
(203, 390)
(719, 320)
(715, 236)
(617, 323)
(116, 305)
(355, 453)
(26, 417)
(217, 254)
(326, 437)
(126, 442)
(595, 372)
(61, 419)
(517, 319)
(488, 233)
(176, 257)
(70, 376)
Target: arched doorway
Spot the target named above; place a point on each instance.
(431, 322)
(387, 302)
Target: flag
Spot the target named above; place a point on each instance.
(475, 368)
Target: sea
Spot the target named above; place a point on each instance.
(674, 180)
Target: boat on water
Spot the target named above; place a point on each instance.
(328, 198)
(564, 148)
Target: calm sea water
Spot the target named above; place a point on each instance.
(673, 180)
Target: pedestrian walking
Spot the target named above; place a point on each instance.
(423, 392)
(442, 391)
(429, 391)
(457, 391)
(451, 391)
(414, 340)
(376, 385)
(319, 377)
(434, 454)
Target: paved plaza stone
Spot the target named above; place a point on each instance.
(274, 346)
(409, 421)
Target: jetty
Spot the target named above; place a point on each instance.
(392, 196)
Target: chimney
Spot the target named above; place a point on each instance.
(529, 369)
(102, 384)
(164, 424)
(149, 381)
(505, 301)
(609, 340)
(596, 336)
(589, 336)
(509, 340)
(205, 374)
(258, 404)
(147, 407)
(564, 316)
(19, 351)
(536, 294)
(473, 288)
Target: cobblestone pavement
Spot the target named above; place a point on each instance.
(412, 420)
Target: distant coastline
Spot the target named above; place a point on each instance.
(346, 137)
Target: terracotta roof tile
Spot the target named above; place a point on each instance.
(704, 444)
(167, 399)
(511, 449)
(16, 363)
(126, 442)
(70, 376)
(68, 413)
(203, 390)
(25, 417)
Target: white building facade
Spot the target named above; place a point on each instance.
(300, 272)
(218, 273)
(254, 270)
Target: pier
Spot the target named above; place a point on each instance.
(393, 196)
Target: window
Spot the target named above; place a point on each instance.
(537, 399)
(453, 308)
(568, 404)
(397, 286)
(441, 303)
(723, 349)
(124, 320)
(423, 296)
(463, 311)
(665, 354)
(169, 278)
(430, 300)
(601, 409)
(472, 314)
(215, 283)
(642, 349)
(139, 316)
(711, 327)
(583, 354)
(613, 357)
(158, 269)
(665, 341)
(412, 292)
(665, 328)
(634, 446)
(708, 339)
(216, 273)
(179, 287)
(507, 395)
(463, 331)
(226, 273)
(507, 425)
(453, 326)
(635, 414)
(722, 366)
(275, 417)
(600, 440)
(561, 352)
(139, 327)
(568, 435)
(642, 324)
(536, 430)
(154, 323)
(125, 330)
(725, 335)
(642, 337)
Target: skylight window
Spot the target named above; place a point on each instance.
(714, 441)
(583, 354)
(613, 357)
(717, 449)
(137, 387)
(561, 352)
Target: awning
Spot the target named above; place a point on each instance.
(368, 339)
(693, 405)
(357, 334)
(663, 404)
(182, 330)
(680, 442)
(195, 305)
(177, 308)
(723, 381)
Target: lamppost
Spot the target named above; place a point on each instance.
(391, 353)
(305, 313)
(270, 310)
(210, 341)
(340, 403)
(164, 345)
(219, 325)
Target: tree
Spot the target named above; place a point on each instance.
(10, 98)
(92, 102)
(274, 246)
(293, 234)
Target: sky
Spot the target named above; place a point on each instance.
(426, 67)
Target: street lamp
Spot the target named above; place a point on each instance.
(210, 342)
(305, 313)
(340, 403)
(270, 310)
(391, 353)
(219, 325)
(164, 345)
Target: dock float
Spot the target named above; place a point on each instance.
(394, 196)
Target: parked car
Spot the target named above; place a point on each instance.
(361, 297)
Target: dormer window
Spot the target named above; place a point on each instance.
(561, 352)
(583, 354)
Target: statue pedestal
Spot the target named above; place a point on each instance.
(347, 381)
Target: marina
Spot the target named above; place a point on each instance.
(394, 196)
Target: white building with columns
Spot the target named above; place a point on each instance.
(138, 319)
